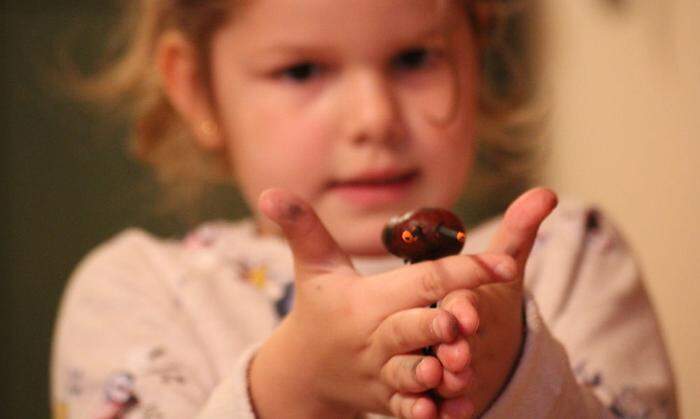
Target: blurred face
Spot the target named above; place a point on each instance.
(364, 108)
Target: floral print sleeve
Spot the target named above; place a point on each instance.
(128, 345)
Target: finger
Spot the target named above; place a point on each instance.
(458, 408)
(454, 356)
(413, 329)
(521, 221)
(427, 282)
(456, 384)
(464, 305)
(412, 407)
(411, 373)
(314, 250)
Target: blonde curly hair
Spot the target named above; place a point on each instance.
(507, 118)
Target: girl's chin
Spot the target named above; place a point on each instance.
(367, 252)
(362, 246)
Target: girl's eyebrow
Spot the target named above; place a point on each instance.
(292, 48)
(303, 47)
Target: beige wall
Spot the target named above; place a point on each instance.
(625, 133)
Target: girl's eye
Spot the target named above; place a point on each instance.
(412, 59)
(301, 72)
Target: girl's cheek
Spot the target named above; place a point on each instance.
(308, 132)
(436, 101)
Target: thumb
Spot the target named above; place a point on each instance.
(314, 249)
(519, 226)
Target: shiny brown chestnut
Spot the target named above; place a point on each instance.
(424, 234)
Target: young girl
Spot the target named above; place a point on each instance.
(332, 117)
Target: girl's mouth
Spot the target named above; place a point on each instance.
(376, 188)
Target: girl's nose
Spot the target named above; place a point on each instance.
(373, 111)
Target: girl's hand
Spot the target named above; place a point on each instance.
(351, 344)
(491, 317)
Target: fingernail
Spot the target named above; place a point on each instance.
(419, 370)
(441, 325)
(506, 271)
(437, 326)
(467, 320)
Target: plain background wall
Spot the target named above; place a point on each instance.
(625, 133)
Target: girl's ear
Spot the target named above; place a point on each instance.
(184, 84)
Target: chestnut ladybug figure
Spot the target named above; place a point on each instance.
(424, 234)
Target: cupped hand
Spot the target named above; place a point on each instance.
(352, 344)
(478, 364)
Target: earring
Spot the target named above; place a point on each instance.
(208, 128)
